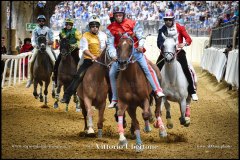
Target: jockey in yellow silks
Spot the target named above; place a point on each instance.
(92, 44)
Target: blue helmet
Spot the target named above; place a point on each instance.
(41, 17)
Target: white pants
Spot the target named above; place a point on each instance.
(35, 51)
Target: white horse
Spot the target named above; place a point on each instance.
(174, 83)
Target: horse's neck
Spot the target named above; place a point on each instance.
(131, 72)
(171, 71)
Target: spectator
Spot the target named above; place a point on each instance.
(27, 47)
(55, 44)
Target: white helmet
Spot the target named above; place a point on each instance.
(94, 20)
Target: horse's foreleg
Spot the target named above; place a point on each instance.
(146, 115)
(35, 94)
(100, 118)
(77, 101)
(46, 91)
(159, 123)
(183, 111)
(187, 114)
(40, 93)
(121, 109)
(53, 87)
(58, 89)
(168, 115)
(88, 106)
(132, 114)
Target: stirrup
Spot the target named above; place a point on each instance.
(113, 104)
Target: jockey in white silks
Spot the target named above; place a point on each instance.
(41, 29)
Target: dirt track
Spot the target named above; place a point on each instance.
(30, 131)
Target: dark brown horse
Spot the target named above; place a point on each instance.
(133, 90)
(93, 91)
(42, 69)
(66, 70)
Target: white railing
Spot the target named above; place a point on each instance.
(216, 62)
(15, 61)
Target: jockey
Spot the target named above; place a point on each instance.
(171, 27)
(123, 25)
(41, 29)
(74, 37)
(92, 43)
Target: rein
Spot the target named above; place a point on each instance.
(105, 59)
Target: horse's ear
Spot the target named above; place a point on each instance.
(164, 37)
(133, 35)
(37, 34)
(45, 34)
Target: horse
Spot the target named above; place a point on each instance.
(66, 70)
(133, 90)
(174, 82)
(92, 91)
(42, 68)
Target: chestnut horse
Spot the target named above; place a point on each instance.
(92, 91)
(133, 90)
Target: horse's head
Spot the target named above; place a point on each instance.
(169, 49)
(64, 46)
(124, 51)
(42, 42)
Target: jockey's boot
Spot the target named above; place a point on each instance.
(194, 97)
(159, 93)
(72, 87)
(113, 104)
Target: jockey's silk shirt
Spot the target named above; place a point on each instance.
(114, 31)
(73, 35)
(94, 43)
(37, 31)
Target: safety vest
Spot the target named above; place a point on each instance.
(125, 27)
(93, 44)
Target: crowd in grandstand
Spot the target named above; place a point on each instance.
(201, 15)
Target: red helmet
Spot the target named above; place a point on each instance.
(169, 14)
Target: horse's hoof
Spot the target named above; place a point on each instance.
(99, 133)
(156, 125)
(182, 121)
(123, 143)
(53, 95)
(147, 129)
(36, 97)
(163, 134)
(78, 109)
(139, 148)
(151, 120)
(55, 105)
(187, 121)
(169, 123)
(41, 99)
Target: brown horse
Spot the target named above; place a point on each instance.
(93, 91)
(133, 90)
(42, 69)
(66, 70)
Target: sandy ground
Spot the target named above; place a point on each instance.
(30, 131)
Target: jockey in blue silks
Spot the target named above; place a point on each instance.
(40, 29)
(123, 25)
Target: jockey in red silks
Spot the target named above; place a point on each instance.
(114, 31)
(171, 27)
